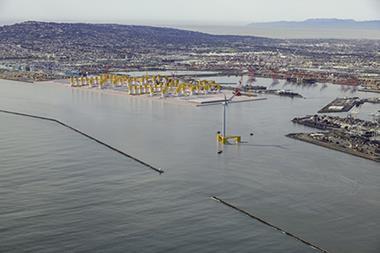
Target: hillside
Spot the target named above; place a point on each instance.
(103, 40)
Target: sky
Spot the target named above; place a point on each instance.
(205, 12)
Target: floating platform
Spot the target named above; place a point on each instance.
(226, 139)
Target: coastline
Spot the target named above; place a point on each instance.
(195, 100)
(304, 138)
(369, 90)
(22, 80)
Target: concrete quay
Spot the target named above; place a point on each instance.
(331, 141)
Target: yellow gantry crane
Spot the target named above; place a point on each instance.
(151, 85)
(163, 86)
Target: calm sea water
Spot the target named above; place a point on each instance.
(62, 192)
(287, 33)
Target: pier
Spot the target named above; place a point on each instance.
(346, 104)
(354, 136)
(341, 105)
(336, 142)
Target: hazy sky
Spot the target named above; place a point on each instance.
(186, 11)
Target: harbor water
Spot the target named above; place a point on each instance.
(62, 192)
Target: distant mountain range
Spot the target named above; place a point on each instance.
(321, 23)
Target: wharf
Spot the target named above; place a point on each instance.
(371, 100)
(306, 137)
(341, 105)
(20, 79)
(194, 100)
(306, 121)
(369, 90)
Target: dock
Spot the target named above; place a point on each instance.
(323, 139)
(341, 105)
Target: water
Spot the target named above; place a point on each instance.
(287, 32)
(62, 192)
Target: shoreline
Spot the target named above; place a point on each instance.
(18, 80)
(205, 73)
(305, 138)
(194, 101)
(369, 90)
